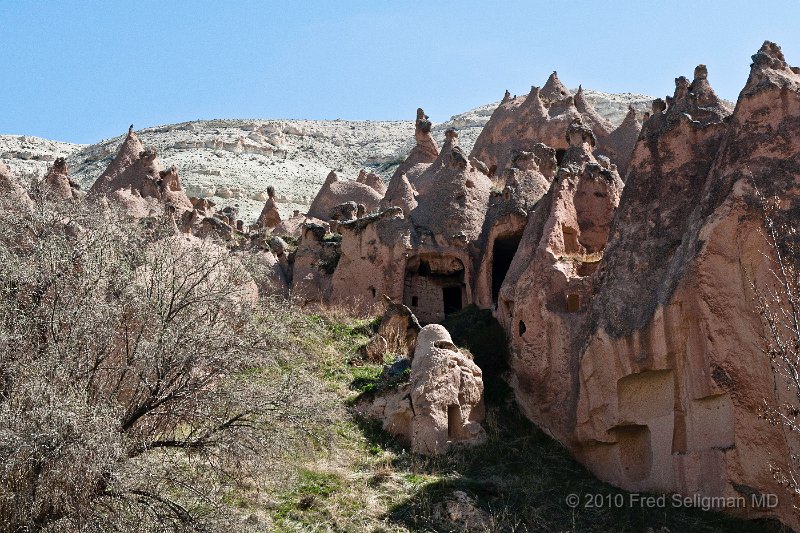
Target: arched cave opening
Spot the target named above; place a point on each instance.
(503, 252)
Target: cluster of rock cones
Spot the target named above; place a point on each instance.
(621, 263)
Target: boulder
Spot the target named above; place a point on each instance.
(442, 405)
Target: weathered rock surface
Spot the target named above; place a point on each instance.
(546, 291)
(335, 192)
(542, 117)
(663, 356)
(629, 307)
(453, 195)
(57, 182)
(442, 405)
(12, 193)
(136, 180)
(270, 217)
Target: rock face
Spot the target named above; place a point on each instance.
(401, 191)
(137, 181)
(622, 263)
(662, 352)
(127, 154)
(542, 117)
(11, 191)
(545, 295)
(453, 195)
(442, 405)
(373, 180)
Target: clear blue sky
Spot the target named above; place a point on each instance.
(84, 70)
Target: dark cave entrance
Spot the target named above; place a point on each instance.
(502, 254)
(560, 155)
(451, 297)
(453, 421)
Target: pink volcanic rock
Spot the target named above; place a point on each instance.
(140, 184)
(371, 179)
(270, 217)
(644, 353)
(442, 405)
(692, 377)
(128, 153)
(553, 89)
(599, 125)
(335, 192)
(424, 153)
(58, 183)
(526, 182)
(314, 263)
(374, 250)
(453, 195)
(293, 226)
(544, 297)
(541, 117)
(400, 194)
(620, 142)
(375, 181)
(520, 122)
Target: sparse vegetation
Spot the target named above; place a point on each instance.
(142, 388)
(519, 479)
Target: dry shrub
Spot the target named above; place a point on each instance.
(139, 371)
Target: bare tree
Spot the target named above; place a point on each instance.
(132, 364)
(778, 305)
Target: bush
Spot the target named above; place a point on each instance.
(137, 369)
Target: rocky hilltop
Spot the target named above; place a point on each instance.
(232, 162)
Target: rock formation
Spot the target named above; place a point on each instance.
(541, 117)
(11, 192)
(424, 153)
(629, 307)
(373, 180)
(620, 142)
(293, 226)
(550, 279)
(127, 154)
(400, 193)
(270, 217)
(442, 405)
(655, 375)
(57, 182)
(136, 179)
(335, 192)
(453, 195)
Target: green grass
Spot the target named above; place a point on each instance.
(361, 480)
